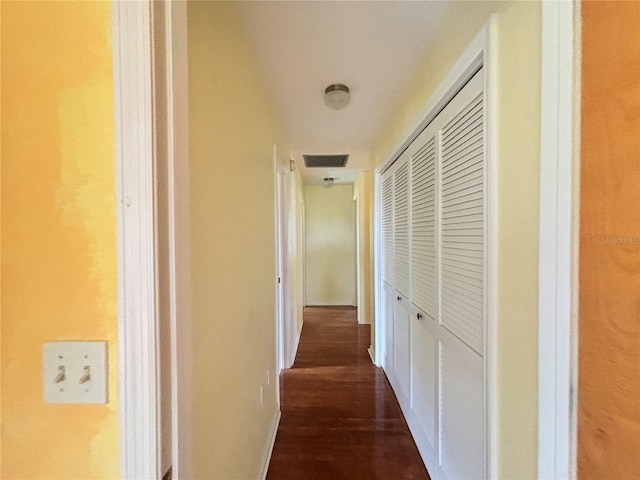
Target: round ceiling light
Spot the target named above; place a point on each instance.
(328, 181)
(336, 96)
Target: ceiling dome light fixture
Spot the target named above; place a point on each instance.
(336, 96)
(328, 181)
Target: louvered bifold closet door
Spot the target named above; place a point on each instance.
(423, 223)
(401, 227)
(401, 312)
(433, 261)
(462, 405)
(424, 342)
(387, 228)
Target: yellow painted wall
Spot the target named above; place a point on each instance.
(363, 191)
(518, 83)
(58, 232)
(330, 245)
(232, 133)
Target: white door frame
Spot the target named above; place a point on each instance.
(136, 268)
(179, 237)
(356, 258)
(137, 316)
(303, 256)
(559, 183)
(281, 311)
(138, 344)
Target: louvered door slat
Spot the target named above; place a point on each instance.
(462, 233)
(467, 192)
(461, 122)
(457, 183)
(468, 285)
(461, 153)
(465, 168)
(463, 199)
(462, 259)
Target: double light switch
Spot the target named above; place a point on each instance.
(75, 372)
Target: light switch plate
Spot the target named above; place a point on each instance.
(75, 372)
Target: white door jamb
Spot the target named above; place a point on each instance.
(557, 308)
(179, 237)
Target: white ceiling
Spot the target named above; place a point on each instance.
(374, 48)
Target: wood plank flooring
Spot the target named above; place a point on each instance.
(340, 418)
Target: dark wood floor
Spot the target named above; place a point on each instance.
(340, 418)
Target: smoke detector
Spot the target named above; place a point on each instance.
(336, 96)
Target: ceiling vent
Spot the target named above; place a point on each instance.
(325, 161)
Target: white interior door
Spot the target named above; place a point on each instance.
(282, 311)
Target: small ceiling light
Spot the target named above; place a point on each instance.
(336, 96)
(328, 181)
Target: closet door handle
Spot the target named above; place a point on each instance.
(419, 316)
(398, 298)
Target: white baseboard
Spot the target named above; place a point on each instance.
(294, 352)
(272, 441)
(371, 355)
(347, 303)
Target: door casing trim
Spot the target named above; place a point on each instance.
(138, 342)
(558, 248)
(135, 179)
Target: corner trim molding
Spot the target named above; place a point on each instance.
(272, 442)
(137, 325)
(557, 308)
(294, 351)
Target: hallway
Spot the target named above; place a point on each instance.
(340, 418)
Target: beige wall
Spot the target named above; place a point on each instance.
(330, 245)
(518, 85)
(232, 132)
